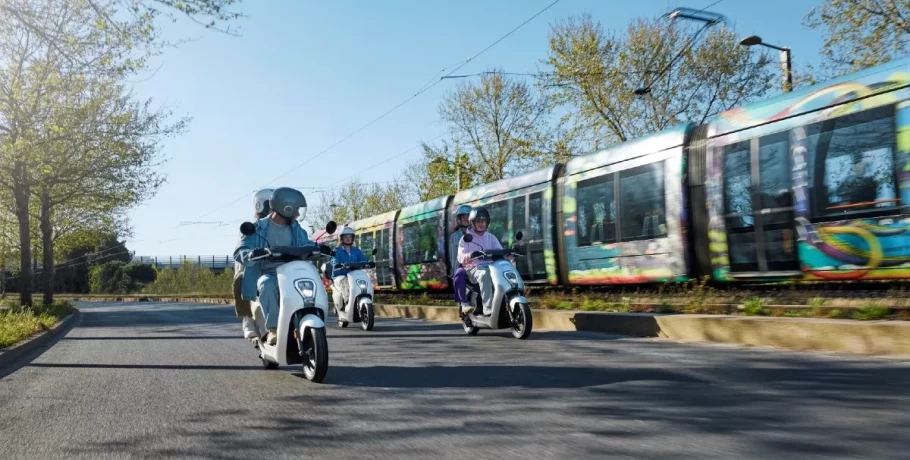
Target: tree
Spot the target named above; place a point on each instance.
(356, 200)
(439, 172)
(103, 160)
(861, 33)
(596, 74)
(496, 123)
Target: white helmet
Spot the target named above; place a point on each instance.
(346, 231)
(261, 202)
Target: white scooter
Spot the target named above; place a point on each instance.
(510, 308)
(359, 306)
(304, 306)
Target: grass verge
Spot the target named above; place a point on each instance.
(19, 323)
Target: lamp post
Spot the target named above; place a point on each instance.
(786, 66)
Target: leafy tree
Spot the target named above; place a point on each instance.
(496, 122)
(356, 200)
(595, 74)
(439, 172)
(861, 33)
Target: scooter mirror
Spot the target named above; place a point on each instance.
(468, 238)
(331, 226)
(247, 228)
(519, 236)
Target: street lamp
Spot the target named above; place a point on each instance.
(786, 66)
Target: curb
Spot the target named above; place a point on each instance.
(14, 352)
(872, 338)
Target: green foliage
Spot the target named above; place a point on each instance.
(438, 171)
(595, 74)
(116, 277)
(355, 200)
(754, 307)
(871, 312)
(191, 279)
(861, 33)
(21, 323)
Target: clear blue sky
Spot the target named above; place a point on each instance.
(305, 74)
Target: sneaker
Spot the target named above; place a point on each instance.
(272, 337)
(466, 308)
(249, 328)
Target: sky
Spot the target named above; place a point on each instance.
(304, 75)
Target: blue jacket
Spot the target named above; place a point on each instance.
(253, 269)
(342, 257)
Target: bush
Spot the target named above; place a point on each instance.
(754, 307)
(20, 323)
(871, 312)
(116, 277)
(191, 279)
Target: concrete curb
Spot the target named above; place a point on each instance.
(11, 354)
(888, 338)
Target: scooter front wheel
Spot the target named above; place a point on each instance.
(367, 316)
(315, 354)
(522, 322)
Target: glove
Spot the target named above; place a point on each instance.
(258, 252)
(476, 254)
(339, 266)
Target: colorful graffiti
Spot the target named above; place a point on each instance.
(846, 249)
(649, 260)
(428, 241)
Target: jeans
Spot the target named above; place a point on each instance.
(268, 298)
(459, 283)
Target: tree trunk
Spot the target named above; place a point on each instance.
(47, 241)
(22, 194)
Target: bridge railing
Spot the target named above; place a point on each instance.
(212, 262)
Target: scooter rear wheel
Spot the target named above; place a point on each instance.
(268, 364)
(315, 354)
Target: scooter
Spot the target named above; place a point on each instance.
(359, 306)
(304, 306)
(510, 309)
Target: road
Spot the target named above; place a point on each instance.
(151, 380)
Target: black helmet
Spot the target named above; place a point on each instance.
(479, 213)
(286, 201)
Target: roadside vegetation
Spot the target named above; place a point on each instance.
(18, 322)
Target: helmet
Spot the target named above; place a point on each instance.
(346, 231)
(286, 201)
(261, 202)
(479, 213)
(463, 210)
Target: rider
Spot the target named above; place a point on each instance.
(459, 275)
(346, 253)
(242, 307)
(278, 229)
(479, 270)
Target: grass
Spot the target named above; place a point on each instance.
(19, 323)
(755, 307)
(871, 312)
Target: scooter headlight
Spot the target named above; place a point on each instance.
(513, 279)
(306, 288)
(362, 284)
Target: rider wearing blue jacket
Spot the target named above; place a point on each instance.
(346, 253)
(279, 229)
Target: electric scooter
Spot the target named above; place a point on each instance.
(359, 306)
(304, 306)
(510, 309)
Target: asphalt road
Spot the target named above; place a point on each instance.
(157, 381)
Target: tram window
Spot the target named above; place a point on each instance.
(850, 162)
(420, 241)
(596, 215)
(642, 213)
(518, 218)
(499, 219)
(366, 243)
(738, 185)
(535, 208)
